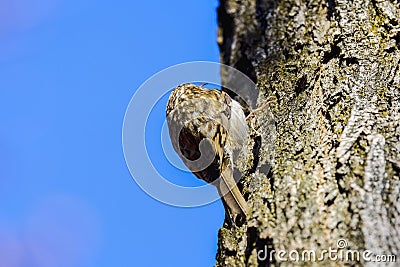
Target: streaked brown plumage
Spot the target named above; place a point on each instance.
(208, 130)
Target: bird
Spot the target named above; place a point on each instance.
(208, 130)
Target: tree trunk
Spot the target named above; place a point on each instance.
(330, 134)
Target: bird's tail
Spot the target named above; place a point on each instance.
(231, 196)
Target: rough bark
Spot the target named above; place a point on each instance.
(330, 134)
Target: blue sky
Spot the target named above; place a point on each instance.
(68, 70)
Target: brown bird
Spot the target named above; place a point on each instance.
(208, 130)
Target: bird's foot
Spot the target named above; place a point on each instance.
(265, 103)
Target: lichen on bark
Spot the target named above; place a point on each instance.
(327, 147)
